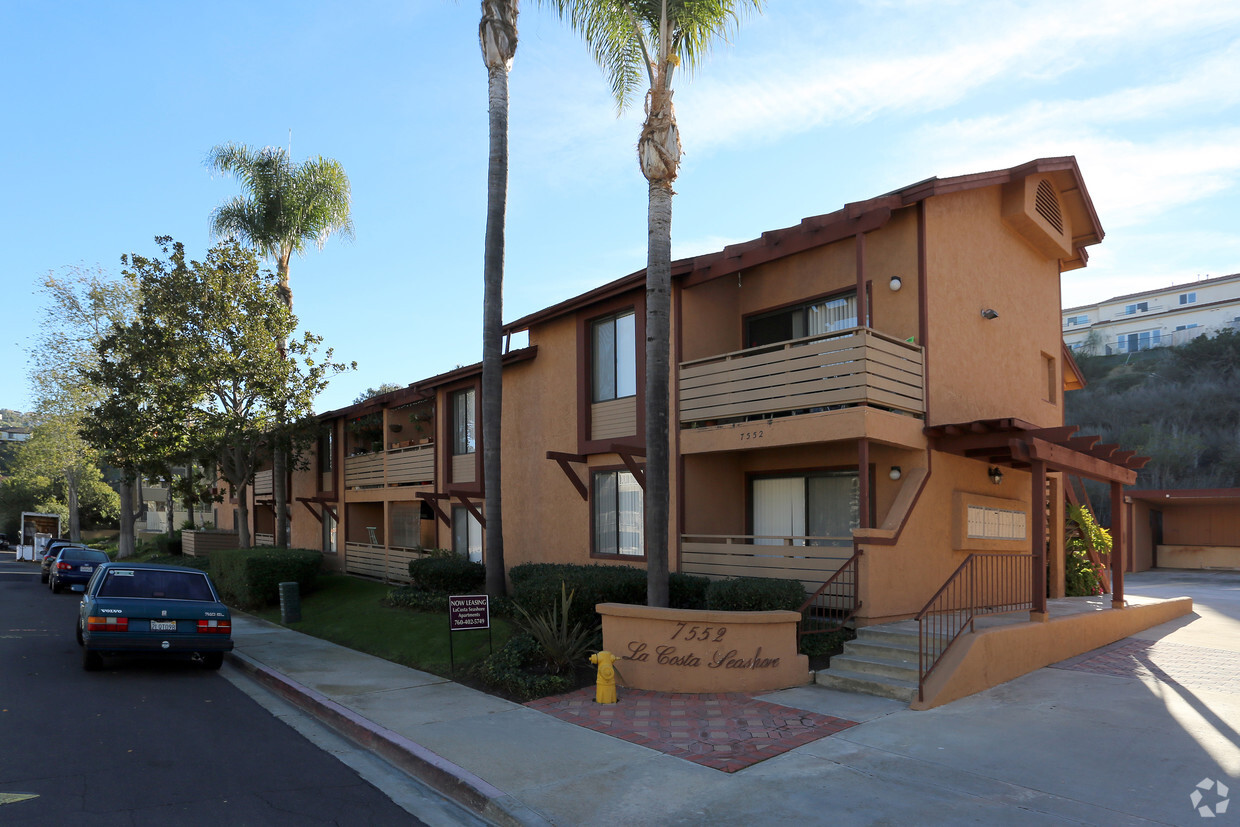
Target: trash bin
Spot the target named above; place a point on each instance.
(290, 602)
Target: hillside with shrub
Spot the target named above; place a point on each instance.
(1179, 406)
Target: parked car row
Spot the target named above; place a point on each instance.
(143, 609)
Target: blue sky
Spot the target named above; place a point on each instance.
(111, 107)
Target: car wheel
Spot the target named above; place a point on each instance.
(78, 634)
(91, 661)
(213, 660)
(42, 577)
(55, 586)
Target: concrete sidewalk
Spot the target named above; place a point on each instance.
(1120, 736)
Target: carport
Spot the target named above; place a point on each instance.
(1184, 529)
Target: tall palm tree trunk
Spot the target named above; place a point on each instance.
(659, 155)
(658, 371)
(497, 35)
(279, 458)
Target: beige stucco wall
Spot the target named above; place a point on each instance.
(897, 580)
(993, 656)
(978, 368)
(679, 650)
(1199, 557)
(714, 311)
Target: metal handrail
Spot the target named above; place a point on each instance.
(982, 584)
(819, 607)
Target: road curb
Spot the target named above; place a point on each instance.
(437, 772)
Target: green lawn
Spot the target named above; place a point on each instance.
(349, 611)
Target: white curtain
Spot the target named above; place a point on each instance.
(631, 519)
(779, 509)
(832, 315)
(619, 524)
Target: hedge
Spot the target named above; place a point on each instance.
(450, 574)
(536, 586)
(755, 594)
(250, 578)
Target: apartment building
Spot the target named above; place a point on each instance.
(1154, 318)
(876, 392)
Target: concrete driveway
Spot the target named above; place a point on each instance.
(1121, 735)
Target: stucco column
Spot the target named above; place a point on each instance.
(863, 482)
(1118, 538)
(1037, 505)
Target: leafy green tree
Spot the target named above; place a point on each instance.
(37, 482)
(79, 305)
(287, 205)
(201, 370)
(497, 35)
(641, 43)
(145, 416)
(386, 387)
(57, 451)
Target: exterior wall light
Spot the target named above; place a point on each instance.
(895, 472)
(996, 476)
(895, 283)
(988, 313)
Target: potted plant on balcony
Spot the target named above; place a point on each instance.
(421, 424)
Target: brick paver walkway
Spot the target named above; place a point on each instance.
(1195, 667)
(727, 731)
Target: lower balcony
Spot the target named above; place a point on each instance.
(812, 560)
(810, 375)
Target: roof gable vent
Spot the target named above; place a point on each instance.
(1046, 202)
(1032, 208)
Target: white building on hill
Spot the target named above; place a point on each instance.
(1155, 318)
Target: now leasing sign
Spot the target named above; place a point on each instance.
(468, 611)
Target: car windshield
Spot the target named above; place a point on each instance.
(83, 555)
(156, 583)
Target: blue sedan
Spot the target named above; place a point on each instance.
(73, 568)
(153, 611)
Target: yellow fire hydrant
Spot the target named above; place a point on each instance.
(605, 686)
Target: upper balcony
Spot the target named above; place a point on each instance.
(855, 367)
(407, 465)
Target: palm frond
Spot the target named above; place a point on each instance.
(626, 37)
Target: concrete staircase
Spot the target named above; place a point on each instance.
(881, 661)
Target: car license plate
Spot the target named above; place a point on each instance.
(87, 568)
(163, 625)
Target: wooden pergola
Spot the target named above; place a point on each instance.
(1014, 443)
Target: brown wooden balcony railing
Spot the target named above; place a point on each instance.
(263, 483)
(811, 560)
(983, 584)
(854, 367)
(413, 465)
(387, 563)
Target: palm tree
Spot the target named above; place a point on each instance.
(286, 206)
(497, 34)
(641, 43)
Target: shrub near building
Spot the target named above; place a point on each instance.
(250, 578)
